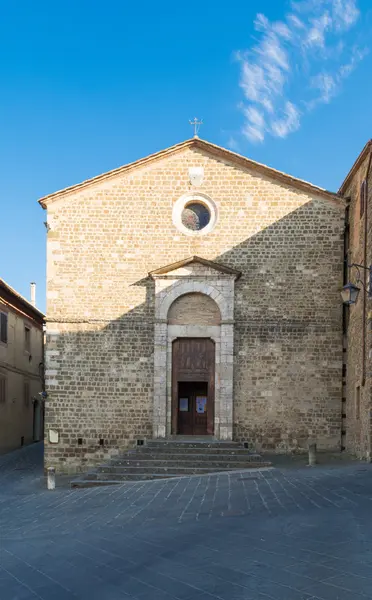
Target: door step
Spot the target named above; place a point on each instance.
(160, 459)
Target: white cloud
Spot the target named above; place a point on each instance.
(295, 22)
(252, 133)
(326, 84)
(261, 22)
(255, 116)
(272, 52)
(317, 32)
(299, 61)
(255, 127)
(345, 13)
(357, 55)
(233, 144)
(288, 123)
(282, 29)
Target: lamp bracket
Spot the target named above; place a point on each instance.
(359, 280)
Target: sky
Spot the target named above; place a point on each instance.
(87, 86)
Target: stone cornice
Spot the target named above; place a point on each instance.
(166, 271)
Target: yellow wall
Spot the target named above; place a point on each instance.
(18, 366)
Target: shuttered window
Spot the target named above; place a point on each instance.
(26, 393)
(27, 339)
(4, 327)
(2, 389)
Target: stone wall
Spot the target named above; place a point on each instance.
(357, 393)
(103, 242)
(194, 309)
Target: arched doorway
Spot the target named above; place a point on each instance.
(38, 420)
(194, 301)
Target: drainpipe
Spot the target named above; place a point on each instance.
(365, 273)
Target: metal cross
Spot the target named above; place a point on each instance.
(196, 124)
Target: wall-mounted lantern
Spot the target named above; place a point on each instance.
(350, 292)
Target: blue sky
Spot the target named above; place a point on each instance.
(88, 86)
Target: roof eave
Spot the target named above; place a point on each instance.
(12, 292)
(114, 172)
(267, 171)
(213, 149)
(361, 157)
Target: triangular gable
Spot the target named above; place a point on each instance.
(213, 150)
(169, 269)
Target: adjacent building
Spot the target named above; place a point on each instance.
(357, 320)
(192, 292)
(21, 369)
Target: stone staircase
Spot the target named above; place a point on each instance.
(159, 459)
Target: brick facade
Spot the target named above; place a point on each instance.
(283, 327)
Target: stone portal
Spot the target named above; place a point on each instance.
(194, 299)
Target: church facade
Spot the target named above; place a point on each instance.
(193, 292)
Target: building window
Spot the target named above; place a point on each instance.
(4, 327)
(27, 339)
(363, 197)
(357, 402)
(26, 393)
(194, 214)
(2, 388)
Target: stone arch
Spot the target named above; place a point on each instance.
(182, 288)
(194, 309)
(172, 285)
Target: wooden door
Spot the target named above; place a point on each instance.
(193, 368)
(192, 408)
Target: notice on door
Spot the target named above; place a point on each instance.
(201, 404)
(184, 404)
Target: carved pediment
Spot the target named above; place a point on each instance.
(194, 267)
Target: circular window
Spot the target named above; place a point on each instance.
(195, 216)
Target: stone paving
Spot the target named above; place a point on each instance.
(279, 534)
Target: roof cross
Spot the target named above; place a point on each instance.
(196, 125)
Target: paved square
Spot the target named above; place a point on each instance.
(280, 534)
